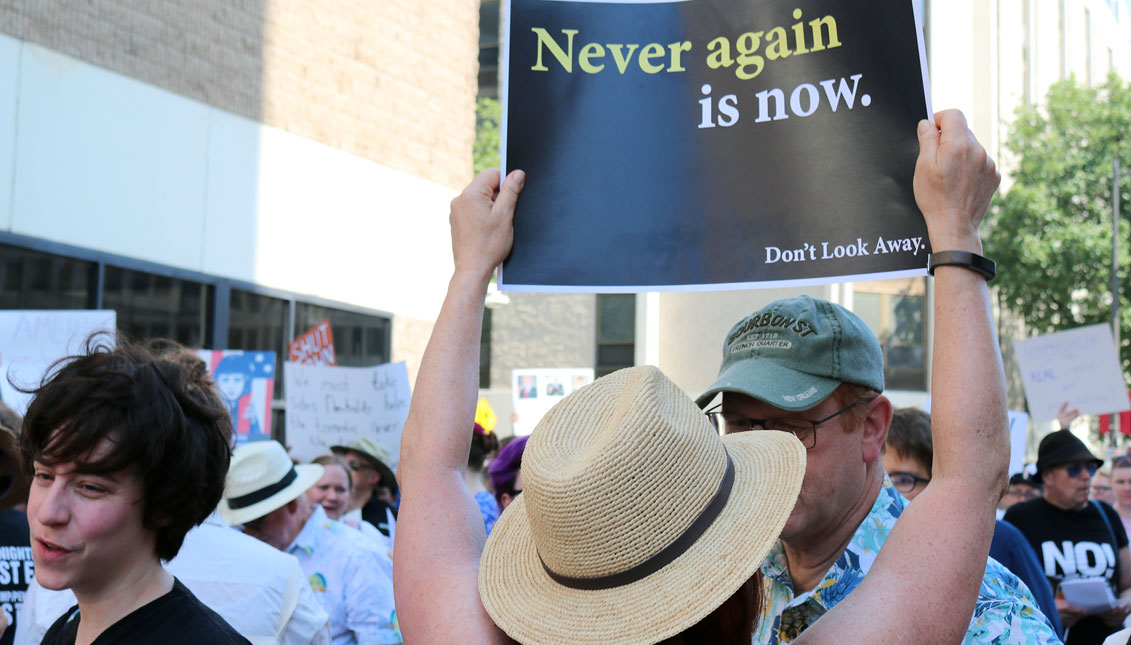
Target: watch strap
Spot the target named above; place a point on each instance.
(965, 259)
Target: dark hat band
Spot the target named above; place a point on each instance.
(665, 556)
(254, 497)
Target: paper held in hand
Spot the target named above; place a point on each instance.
(1090, 594)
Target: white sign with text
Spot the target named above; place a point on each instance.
(1079, 366)
(328, 406)
(31, 340)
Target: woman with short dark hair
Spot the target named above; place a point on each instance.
(128, 453)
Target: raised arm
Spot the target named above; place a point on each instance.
(440, 532)
(938, 548)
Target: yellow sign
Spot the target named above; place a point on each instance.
(485, 416)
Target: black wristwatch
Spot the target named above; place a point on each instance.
(965, 259)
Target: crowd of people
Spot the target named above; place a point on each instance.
(788, 502)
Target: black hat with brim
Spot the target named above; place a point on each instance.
(1062, 447)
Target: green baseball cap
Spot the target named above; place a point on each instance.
(793, 353)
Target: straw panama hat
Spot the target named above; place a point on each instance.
(262, 478)
(637, 519)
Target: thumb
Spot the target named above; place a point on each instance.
(928, 140)
(509, 191)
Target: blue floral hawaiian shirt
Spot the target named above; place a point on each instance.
(1004, 613)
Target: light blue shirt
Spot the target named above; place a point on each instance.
(351, 577)
(1005, 611)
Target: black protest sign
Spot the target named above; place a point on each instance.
(712, 143)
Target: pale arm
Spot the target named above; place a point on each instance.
(440, 532)
(938, 548)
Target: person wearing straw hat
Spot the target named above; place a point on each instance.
(265, 496)
(374, 484)
(601, 546)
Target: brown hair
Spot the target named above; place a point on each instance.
(732, 623)
(10, 419)
(849, 393)
(334, 460)
(910, 436)
(164, 422)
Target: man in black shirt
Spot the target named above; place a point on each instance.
(1074, 537)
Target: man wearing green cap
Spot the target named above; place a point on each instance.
(813, 368)
(374, 487)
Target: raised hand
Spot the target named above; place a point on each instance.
(954, 182)
(482, 220)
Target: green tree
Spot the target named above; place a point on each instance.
(488, 118)
(1051, 232)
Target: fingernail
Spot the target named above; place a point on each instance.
(519, 177)
(924, 126)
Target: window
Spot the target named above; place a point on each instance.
(489, 49)
(485, 351)
(155, 306)
(259, 323)
(33, 280)
(155, 301)
(616, 332)
(895, 311)
(360, 339)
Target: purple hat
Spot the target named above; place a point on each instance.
(503, 471)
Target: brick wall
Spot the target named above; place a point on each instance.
(393, 81)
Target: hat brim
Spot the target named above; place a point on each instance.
(308, 475)
(388, 478)
(530, 607)
(771, 383)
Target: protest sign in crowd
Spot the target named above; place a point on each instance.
(147, 496)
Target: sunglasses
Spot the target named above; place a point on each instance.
(1023, 492)
(1074, 470)
(359, 465)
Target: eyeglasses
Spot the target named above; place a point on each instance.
(1074, 470)
(803, 429)
(1101, 489)
(906, 482)
(1024, 492)
(359, 465)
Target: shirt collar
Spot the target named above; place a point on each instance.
(307, 538)
(857, 556)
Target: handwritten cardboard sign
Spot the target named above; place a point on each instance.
(31, 340)
(713, 144)
(1079, 366)
(246, 381)
(328, 406)
(315, 346)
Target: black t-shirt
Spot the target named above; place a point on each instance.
(177, 618)
(375, 512)
(16, 567)
(1073, 544)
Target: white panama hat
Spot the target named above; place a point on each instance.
(261, 479)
